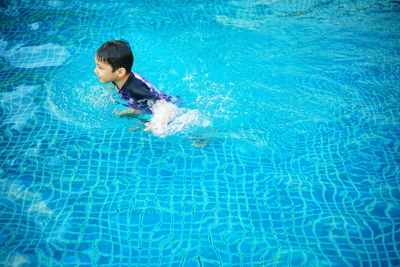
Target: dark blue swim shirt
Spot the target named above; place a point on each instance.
(140, 93)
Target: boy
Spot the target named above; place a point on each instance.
(114, 60)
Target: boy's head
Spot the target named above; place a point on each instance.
(115, 56)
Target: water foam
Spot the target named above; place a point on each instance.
(168, 119)
(85, 104)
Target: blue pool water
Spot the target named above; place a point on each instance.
(298, 165)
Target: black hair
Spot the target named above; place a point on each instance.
(117, 53)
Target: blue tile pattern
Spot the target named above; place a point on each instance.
(302, 162)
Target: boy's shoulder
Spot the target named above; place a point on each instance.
(138, 89)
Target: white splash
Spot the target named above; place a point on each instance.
(84, 105)
(163, 113)
(168, 119)
(96, 96)
(28, 57)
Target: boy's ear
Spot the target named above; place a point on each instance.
(121, 72)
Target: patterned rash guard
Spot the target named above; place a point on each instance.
(140, 93)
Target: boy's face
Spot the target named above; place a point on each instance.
(104, 72)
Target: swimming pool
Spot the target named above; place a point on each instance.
(301, 167)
